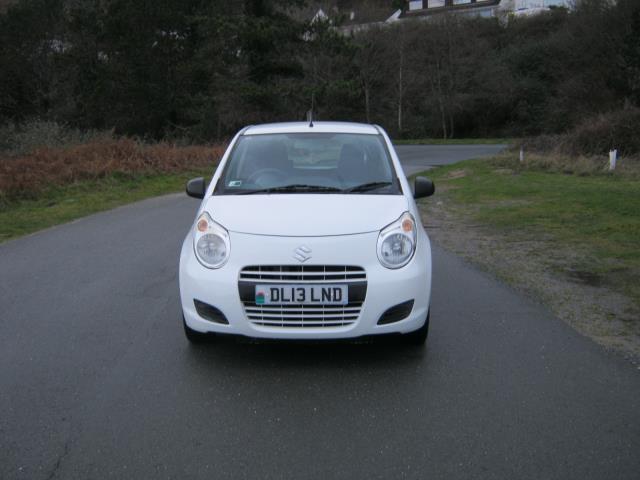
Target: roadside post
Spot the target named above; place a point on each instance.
(613, 158)
(521, 153)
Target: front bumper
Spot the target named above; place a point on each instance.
(385, 288)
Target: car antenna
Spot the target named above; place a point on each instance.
(310, 111)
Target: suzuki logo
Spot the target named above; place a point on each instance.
(302, 253)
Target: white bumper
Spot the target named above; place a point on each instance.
(385, 288)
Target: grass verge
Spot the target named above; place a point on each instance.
(571, 240)
(62, 204)
(455, 141)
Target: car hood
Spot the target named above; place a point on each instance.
(305, 215)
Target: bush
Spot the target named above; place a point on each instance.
(595, 136)
(23, 138)
(27, 175)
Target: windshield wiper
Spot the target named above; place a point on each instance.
(365, 187)
(293, 188)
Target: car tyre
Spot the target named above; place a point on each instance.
(195, 336)
(418, 337)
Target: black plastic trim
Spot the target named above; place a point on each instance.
(396, 313)
(209, 312)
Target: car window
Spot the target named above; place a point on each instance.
(309, 162)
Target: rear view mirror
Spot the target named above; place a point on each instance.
(196, 187)
(423, 187)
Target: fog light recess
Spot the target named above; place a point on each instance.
(209, 312)
(396, 313)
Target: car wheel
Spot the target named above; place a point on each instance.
(418, 337)
(195, 336)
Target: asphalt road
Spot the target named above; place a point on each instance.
(97, 380)
(418, 158)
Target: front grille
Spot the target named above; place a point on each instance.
(303, 273)
(303, 316)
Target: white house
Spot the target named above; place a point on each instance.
(355, 20)
(426, 8)
(481, 8)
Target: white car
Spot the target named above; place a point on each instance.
(307, 231)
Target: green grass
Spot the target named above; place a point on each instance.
(597, 217)
(63, 204)
(454, 141)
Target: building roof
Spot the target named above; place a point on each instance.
(424, 12)
(351, 12)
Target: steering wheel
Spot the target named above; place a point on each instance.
(258, 176)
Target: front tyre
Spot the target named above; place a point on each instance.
(195, 336)
(418, 337)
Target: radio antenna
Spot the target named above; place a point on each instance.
(310, 112)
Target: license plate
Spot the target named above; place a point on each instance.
(302, 294)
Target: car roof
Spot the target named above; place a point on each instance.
(316, 127)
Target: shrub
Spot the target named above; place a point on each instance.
(26, 175)
(23, 138)
(595, 136)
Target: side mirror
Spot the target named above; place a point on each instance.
(196, 187)
(423, 187)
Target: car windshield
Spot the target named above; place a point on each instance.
(342, 163)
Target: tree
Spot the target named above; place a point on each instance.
(446, 67)
(369, 48)
(29, 50)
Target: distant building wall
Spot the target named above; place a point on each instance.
(526, 4)
(425, 8)
(485, 8)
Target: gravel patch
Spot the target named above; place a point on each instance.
(542, 270)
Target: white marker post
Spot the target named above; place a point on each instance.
(521, 154)
(613, 158)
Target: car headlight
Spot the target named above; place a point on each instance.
(210, 242)
(397, 242)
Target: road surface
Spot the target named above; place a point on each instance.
(418, 158)
(97, 380)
